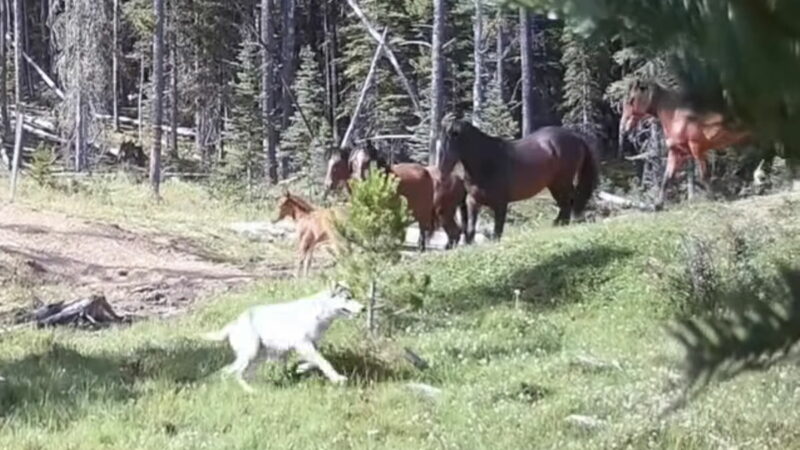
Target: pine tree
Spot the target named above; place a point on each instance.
(304, 150)
(584, 84)
(245, 156)
(497, 119)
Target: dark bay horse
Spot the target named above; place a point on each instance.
(689, 133)
(498, 172)
(414, 182)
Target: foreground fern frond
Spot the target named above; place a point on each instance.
(752, 339)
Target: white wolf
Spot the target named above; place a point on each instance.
(276, 330)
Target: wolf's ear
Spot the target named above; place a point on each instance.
(341, 288)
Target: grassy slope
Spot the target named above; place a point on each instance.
(507, 375)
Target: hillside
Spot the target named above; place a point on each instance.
(586, 338)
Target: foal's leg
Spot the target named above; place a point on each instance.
(302, 249)
(473, 208)
(500, 212)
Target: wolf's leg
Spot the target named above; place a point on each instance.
(311, 355)
(245, 344)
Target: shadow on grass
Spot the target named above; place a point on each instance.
(54, 384)
(58, 385)
(557, 280)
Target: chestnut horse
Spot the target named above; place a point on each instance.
(314, 228)
(449, 195)
(498, 172)
(689, 134)
(414, 183)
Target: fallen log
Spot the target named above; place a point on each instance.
(623, 202)
(93, 312)
(182, 131)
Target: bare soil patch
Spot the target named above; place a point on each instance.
(56, 257)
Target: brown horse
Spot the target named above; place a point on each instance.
(314, 228)
(498, 172)
(339, 170)
(414, 182)
(689, 134)
(449, 195)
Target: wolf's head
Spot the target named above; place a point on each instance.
(342, 302)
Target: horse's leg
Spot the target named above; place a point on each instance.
(462, 208)
(702, 165)
(673, 164)
(309, 255)
(500, 212)
(303, 248)
(473, 208)
(421, 239)
(563, 195)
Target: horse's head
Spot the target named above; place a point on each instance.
(453, 134)
(361, 159)
(338, 170)
(638, 103)
(287, 207)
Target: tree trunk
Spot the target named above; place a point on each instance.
(79, 135)
(500, 78)
(331, 84)
(477, 84)
(372, 303)
(287, 57)
(140, 102)
(18, 91)
(26, 46)
(4, 122)
(115, 66)
(527, 70)
(173, 97)
(437, 78)
(267, 93)
(158, 96)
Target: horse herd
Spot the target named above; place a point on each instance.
(493, 173)
(476, 170)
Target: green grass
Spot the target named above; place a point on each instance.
(508, 376)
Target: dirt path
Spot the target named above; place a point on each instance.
(139, 274)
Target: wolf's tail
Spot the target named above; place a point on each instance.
(220, 335)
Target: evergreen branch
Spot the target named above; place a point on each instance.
(753, 339)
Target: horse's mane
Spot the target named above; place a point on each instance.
(678, 96)
(373, 154)
(477, 139)
(303, 204)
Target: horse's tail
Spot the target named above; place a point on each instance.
(588, 177)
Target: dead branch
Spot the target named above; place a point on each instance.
(288, 91)
(641, 156)
(363, 94)
(93, 311)
(388, 52)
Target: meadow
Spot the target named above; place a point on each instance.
(578, 358)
